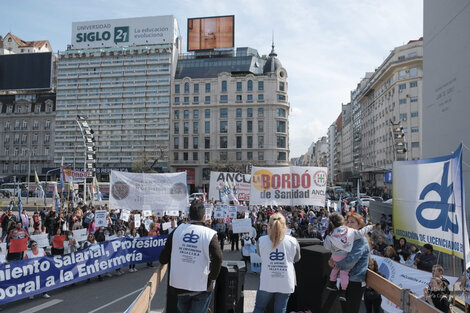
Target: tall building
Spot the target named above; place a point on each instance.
(230, 110)
(331, 153)
(347, 145)
(321, 152)
(391, 99)
(117, 74)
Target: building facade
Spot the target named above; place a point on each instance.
(12, 44)
(347, 145)
(230, 110)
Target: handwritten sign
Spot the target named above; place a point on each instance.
(136, 220)
(125, 215)
(80, 234)
(241, 225)
(100, 218)
(41, 239)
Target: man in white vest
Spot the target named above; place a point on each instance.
(195, 257)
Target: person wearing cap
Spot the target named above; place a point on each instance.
(427, 259)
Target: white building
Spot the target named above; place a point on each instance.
(12, 44)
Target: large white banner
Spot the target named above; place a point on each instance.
(138, 191)
(292, 185)
(428, 203)
(224, 187)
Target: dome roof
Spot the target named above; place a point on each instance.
(273, 63)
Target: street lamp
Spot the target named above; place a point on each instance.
(45, 186)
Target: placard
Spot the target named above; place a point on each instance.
(80, 235)
(18, 245)
(173, 213)
(209, 208)
(146, 213)
(125, 215)
(136, 220)
(219, 211)
(255, 262)
(232, 212)
(41, 239)
(147, 223)
(166, 225)
(241, 225)
(3, 246)
(100, 218)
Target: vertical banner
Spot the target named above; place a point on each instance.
(428, 203)
(225, 187)
(292, 185)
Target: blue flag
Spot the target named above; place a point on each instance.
(338, 206)
(20, 203)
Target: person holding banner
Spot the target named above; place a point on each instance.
(17, 242)
(195, 258)
(58, 243)
(278, 254)
(35, 252)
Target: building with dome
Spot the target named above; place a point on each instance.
(229, 111)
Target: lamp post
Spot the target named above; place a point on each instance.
(29, 174)
(45, 186)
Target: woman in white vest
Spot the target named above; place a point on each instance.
(35, 252)
(278, 253)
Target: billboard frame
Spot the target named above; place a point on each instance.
(208, 17)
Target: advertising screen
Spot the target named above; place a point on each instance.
(206, 33)
(25, 71)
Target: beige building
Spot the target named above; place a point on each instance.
(228, 112)
(12, 44)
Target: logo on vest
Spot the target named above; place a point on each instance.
(276, 255)
(191, 237)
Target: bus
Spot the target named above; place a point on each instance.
(10, 189)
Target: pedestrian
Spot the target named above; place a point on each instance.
(278, 254)
(435, 295)
(193, 275)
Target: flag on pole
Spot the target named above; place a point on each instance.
(20, 203)
(233, 192)
(39, 189)
(338, 206)
(359, 202)
(56, 198)
(204, 199)
(96, 190)
(62, 184)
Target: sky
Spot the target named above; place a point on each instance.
(325, 46)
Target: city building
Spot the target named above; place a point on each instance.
(331, 153)
(347, 146)
(117, 77)
(230, 110)
(321, 152)
(390, 101)
(12, 44)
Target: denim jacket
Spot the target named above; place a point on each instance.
(356, 261)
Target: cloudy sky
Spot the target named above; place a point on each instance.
(325, 46)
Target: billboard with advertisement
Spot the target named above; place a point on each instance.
(215, 32)
(124, 32)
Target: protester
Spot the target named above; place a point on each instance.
(248, 246)
(73, 244)
(193, 275)
(16, 233)
(438, 271)
(427, 259)
(58, 243)
(391, 254)
(372, 299)
(276, 281)
(435, 295)
(221, 229)
(134, 234)
(35, 252)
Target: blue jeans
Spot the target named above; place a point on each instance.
(263, 298)
(194, 304)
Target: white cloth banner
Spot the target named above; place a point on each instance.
(292, 185)
(428, 204)
(80, 235)
(100, 218)
(241, 225)
(224, 186)
(138, 191)
(3, 246)
(125, 215)
(41, 239)
(136, 220)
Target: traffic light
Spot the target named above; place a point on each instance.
(399, 140)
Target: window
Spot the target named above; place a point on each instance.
(186, 87)
(413, 72)
(195, 127)
(207, 158)
(403, 116)
(35, 124)
(47, 138)
(281, 141)
(196, 88)
(223, 126)
(195, 156)
(238, 156)
(415, 144)
(402, 101)
(223, 141)
(414, 129)
(10, 109)
(176, 114)
(175, 156)
(185, 156)
(224, 86)
(281, 113)
(413, 84)
(25, 125)
(196, 99)
(239, 86)
(176, 142)
(260, 112)
(207, 99)
(207, 113)
(238, 127)
(207, 142)
(281, 126)
(207, 127)
(249, 98)
(414, 114)
(223, 113)
(412, 54)
(47, 125)
(17, 125)
(186, 128)
(17, 139)
(260, 155)
(177, 100)
(260, 85)
(249, 85)
(24, 139)
(186, 114)
(260, 97)
(196, 143)
(249, 112)
(176, 129)
(46, 151)
(7, 139)
(402, 74)
(249, 155)
(195, 114)
(185, 142)
(49, 108)
(7, 125)
(239, 112)
(281, 86)
(281, 97)
(239, 142)
(249, 142)
(260, 126)
(208, 87)
(223, 98)
(177, 88)
(37, 108)
(414, 99)
(186, 100)
(281, 156)
(401, 57)
(239, 98)
(401, 87)
(223, 156)
(249, 126)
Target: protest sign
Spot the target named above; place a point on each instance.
(58, 241)
(136, 220)
(125, 215)
(232, 212)
(41, 240)
(208, 208)
(100, 218)
(80, 235)
(3, 247)
(241, 225)
(292, 185)
(241, 208)
(146, 213)
(147, 223)
(173, 213)
(18, 245)
(219, 211)
(225, 187)
(166, 225)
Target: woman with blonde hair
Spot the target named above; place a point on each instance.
(278, 253)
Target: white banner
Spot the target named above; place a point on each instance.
(80, 235)
(173, 213)
(224, 187)
(138, 191)
(241, 225)
(100, 218)
(41, 239)
(292, 185)
(3, 247)
(136, 220)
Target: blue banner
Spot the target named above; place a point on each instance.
(21, 279)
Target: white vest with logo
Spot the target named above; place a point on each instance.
(277, 265)
(31, 255)
(190, 257)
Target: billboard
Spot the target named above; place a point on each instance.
(123, 32)
(388, 177)
(25, 71)
(211, 32)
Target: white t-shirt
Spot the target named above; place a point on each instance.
(31, 255)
